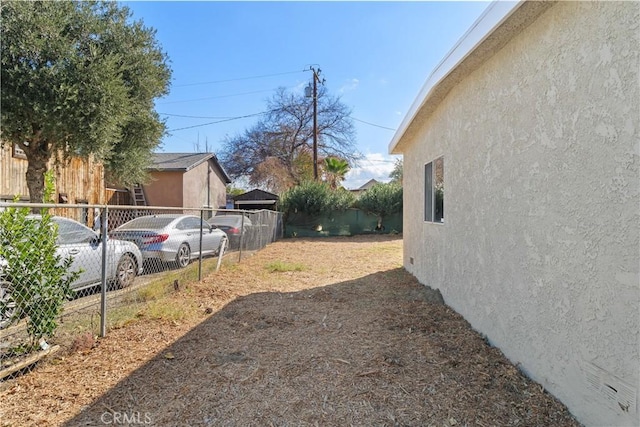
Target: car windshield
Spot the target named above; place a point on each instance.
(70, 232)
(147, 223)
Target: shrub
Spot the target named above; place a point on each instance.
(381, 200)
(315, 198)
(39, 279)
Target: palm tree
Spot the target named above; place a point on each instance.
(334, 170)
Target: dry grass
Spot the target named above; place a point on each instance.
(306, 332)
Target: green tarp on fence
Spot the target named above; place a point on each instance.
(347, 223)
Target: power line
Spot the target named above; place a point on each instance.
(240, 78)
(216, 97)
(195, 117)
(372, 124)
(227, 117)
(376, 160)
(219, 121)
(224, 118)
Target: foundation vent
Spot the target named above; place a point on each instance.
(619, 394)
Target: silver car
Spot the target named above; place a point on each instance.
(124, 261)
(172, 237)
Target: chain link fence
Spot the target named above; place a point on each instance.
(69, 273)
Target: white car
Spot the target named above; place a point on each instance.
(124, 261)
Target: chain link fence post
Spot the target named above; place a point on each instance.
(200, 250)
(104, 226)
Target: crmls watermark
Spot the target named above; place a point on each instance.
(126, 418)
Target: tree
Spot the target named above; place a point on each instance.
(276, 153)
(396, 173)
(335, 170)
(234, 191)
(80, 79)
(381, 200)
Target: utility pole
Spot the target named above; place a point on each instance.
(316, 80)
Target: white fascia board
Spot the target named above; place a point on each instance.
(493, 16)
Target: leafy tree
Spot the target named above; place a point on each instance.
(381, 200)
(335, 170)
(275, 176)
(233, 191)
(80, 79)
(276, 153)
(396, 173)
(315, 198)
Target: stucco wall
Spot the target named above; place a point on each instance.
(218, 189)
(164, 188)
(195, 187)
(540, 245)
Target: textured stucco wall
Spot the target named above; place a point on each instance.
(195, 187)
(540, 248)
(218, 189)
(164, 189)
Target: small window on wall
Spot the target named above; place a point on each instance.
(434, 191)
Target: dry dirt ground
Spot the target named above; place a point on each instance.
(339, 334)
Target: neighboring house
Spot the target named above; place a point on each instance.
(77, 181)
(364, 187)
(521, 194)
(256, 199)
(186, 180)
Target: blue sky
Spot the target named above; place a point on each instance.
(229, 57)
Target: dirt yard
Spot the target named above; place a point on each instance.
(328, 332)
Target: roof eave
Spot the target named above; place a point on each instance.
(216, 162)
(207, 157)
(200, 161)
(466, 56)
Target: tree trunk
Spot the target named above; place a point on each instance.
(38, 155)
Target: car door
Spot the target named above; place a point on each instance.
(83, 245)
(190, 232)
(210, 238)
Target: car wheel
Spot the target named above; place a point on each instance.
(126, 272)
(183, 257)
(7, 305)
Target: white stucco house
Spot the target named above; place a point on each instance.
(521, 195)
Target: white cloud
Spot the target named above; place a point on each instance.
(349, 86)
(376, 166)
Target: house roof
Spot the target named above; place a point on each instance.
(184, 162)
(498, 24)
(256, 195)
(367, 185)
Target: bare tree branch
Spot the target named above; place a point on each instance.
(277, 151)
